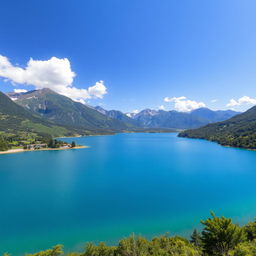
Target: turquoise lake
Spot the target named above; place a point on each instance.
(148, 184)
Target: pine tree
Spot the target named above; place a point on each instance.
(220, 235)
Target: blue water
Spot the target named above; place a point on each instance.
(148, 184)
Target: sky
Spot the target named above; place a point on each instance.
(132, 54)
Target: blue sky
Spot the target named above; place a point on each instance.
(143, 50)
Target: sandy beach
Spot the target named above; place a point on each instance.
(21, 150)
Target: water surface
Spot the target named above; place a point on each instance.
(148, 184)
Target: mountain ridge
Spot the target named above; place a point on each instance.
(15, 119)
(151, 118)
(65, 112)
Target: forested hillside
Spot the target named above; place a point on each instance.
(18, 124)
(238, 131)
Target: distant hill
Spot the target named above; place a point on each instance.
(180, 120)
(15, 120)
(213, 116)
(238, 131)
(118, 115)
(65, 112)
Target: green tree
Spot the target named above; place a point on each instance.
(244, 249)
(3, 144)
(175, 246)
(133, 246)
(73, 144)
(54, 251)
(196, 238)
(250, 230)
(220, 235)
(98, 250)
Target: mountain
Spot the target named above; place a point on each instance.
(180, 120)
(238, 131)
(213, 116)
(65, 112)
(118, 115)
(16, 121)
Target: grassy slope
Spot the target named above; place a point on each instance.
(14, 119)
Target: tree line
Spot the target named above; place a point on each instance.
(219, 237)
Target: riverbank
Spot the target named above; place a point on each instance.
(21, 150)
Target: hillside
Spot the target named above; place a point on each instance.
(238, 131)
(63, 111)
(16, 122)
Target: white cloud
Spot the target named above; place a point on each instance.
(161, 107)
(98, 90)
(133, 113)
(54, 73)
(20, 90)
(214, 100)
(245, 100)
(168, 99)
(182, 104)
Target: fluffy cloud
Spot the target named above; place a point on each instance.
(19, 90)
(245, 100)
(54, 73)
(214, 100)
(161, 107)
(182, 104)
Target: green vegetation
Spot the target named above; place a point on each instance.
(18, 127)
(3, 144)
(53, 143)
(238, 131)
(219, 237)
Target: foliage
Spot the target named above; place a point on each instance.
(98, 250)
(53, 143)
(55, 251)
(250, 230)
(244, 249)
(220, 235)
(3, 144)
(196, 238)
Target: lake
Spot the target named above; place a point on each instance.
(146, 184)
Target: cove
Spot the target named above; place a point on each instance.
(146, 184)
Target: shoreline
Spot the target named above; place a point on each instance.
(21, 150)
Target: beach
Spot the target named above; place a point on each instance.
(21, 150)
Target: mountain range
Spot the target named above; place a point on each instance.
(149, 118)
(238, 131)
(47, 112)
